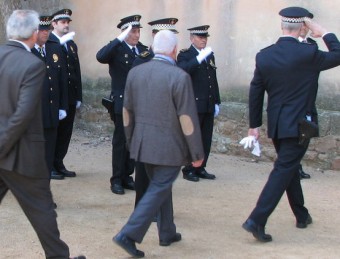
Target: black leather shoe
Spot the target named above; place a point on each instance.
(308, 221)
(190, 176)
(176, 238)
(130, 185)
(205, 175)
(67, 173)
(56, 175)
(303, 175)
(257, 231)
(128, 245)
(78, 257)
(117, 188)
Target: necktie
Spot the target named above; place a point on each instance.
(41, 51)
(134, 51)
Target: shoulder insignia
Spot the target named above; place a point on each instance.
(144, 54)
(183, 50)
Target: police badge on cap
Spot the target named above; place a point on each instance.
(45, 22)
(164, 24)
(133, 20)
(62, 14)
(200, 30)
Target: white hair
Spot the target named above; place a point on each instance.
(291, 26)
(164, 42)
(21, 24)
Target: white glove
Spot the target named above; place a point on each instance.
(62, 114)
(67, 37)
(203, 54)
(249, 142)
(78, 104)
(123, 35)
(217, 110)
(256, 150)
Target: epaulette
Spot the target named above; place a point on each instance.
(183, 50)
(311, 41)
(141, 44)
(144, 54)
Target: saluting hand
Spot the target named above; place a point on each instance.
(317, 30)
(124, 34)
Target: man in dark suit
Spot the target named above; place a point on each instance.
(120, 54)
(286, 71)
(54, 95)
(60, 22)
(199, 62)
(159, 86)
(23, 169)
(141, 178)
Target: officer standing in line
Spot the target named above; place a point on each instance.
(120, 54)
(60, 22)
(199, 62)
(54, 94)
(141, 178)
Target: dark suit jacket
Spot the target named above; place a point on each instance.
(287, 71)
(160, 116)
(120, 59)
(203, 78)
(21, 132)
(75, 92)
(54, 96)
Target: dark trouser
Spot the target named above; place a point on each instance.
(122, 165)
(207, 125)
(284, 177)
(50, 135)
(158, 198)
(35, 198)
(64, 135)
(141, 181)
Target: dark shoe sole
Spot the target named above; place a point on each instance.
(309, 220)
(138, 254)
(191, 179)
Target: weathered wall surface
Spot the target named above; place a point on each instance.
(239, 29)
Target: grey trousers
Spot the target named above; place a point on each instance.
(35, 198)
(157, 199)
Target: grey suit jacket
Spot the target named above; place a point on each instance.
(21, 132)
(160, 115)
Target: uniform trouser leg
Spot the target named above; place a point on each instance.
(50, 135)
(122, 165)
(141, 181)
(207, 125)
(282, 178)
(35, 198)
(64, 135)
(158, 197)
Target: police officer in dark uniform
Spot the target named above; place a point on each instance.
(54, 95)
(287, 72)
(141, 178)
(199, 62)
(60, 23)
(120, 54)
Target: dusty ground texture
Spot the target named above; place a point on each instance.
(209, 214)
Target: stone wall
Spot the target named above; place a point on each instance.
(230, 127)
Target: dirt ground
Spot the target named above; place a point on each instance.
(209, 214)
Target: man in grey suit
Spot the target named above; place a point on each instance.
(164, 139)
(23, 168)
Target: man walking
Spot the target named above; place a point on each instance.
(286, 71)
(160, 86)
